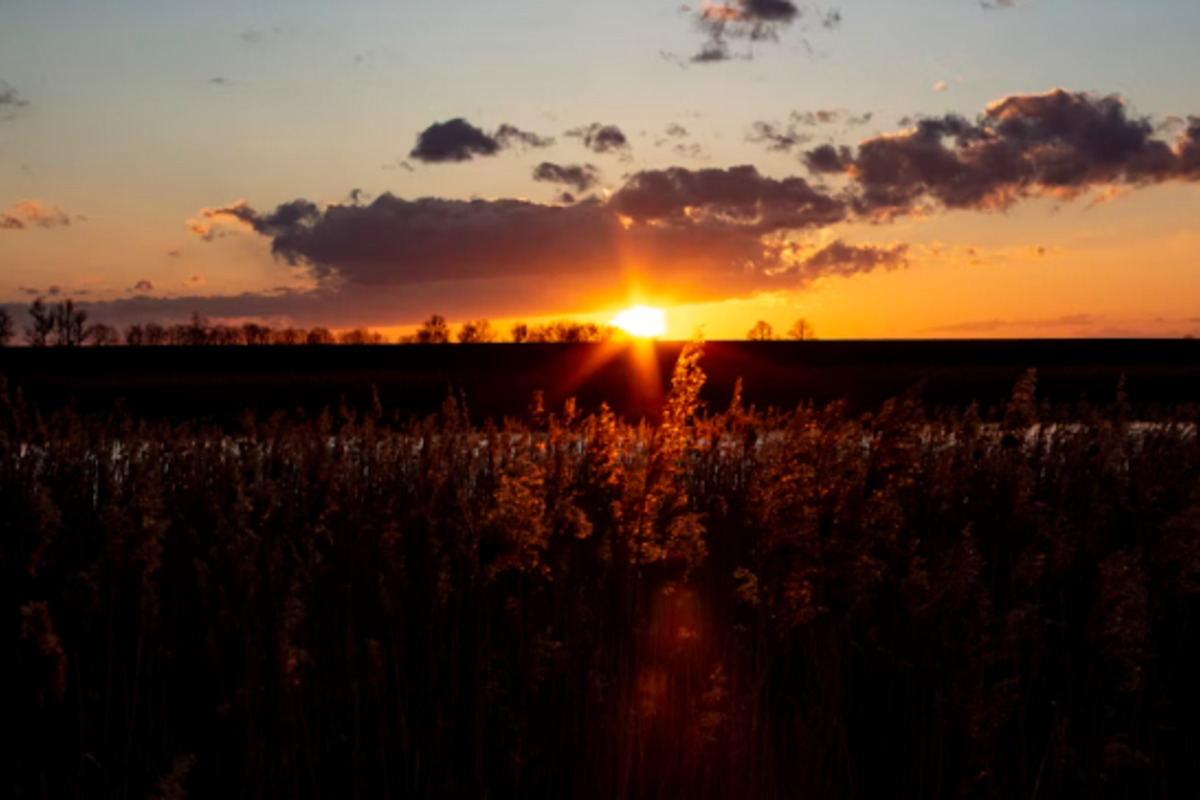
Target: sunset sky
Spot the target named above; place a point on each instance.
(927, 168)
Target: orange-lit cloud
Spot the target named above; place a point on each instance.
(32, 214)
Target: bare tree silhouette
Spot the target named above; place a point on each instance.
(102, 335)
(434, 331)
(477, 332)
(761, 332)
(802, 330)
(37, 333)
(319, 336)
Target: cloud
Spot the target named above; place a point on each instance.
(456, 140)
(751, 20)
(1059, 144)
(510, 135)
(32, 214)
(459, 140)
(676, 131)
(601, 138)
(940, 86)
(143, 287)
(580, 177)
(828, 158)
(828, 116)
(737, 196)
(1078, 323)
(839, 259)
(777, 139)
(208, 222)
(10, 99)
(786, 136)
(29, 290)
(220, 81)
(715, 233)
(195, 280)
(689, 150)
(700, 234)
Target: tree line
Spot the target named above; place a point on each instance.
(65, 324)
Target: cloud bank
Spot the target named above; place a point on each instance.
(1058, 144)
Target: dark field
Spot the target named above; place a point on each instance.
(875, 599)
(498, 380)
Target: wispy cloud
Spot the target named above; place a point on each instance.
(601, 139)
(753, 21)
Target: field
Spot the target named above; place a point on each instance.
(499, 380)
(697, 597)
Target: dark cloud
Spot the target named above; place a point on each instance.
(675, 135)
(752, 20)
(32, 214)
(29, 290)
(828, 158)
(601, 138)
(738, 197)
(175, 254)
(786, 136)
(827, 116)
(839, 259)
(777, 139)
(10, 98)
(580, 177)
(219, 81)
(704, 234)
(1058, 144)
(55, 290)
(455, 140)
(718, 233)
(143, 287)
(510, 135)
(459, 140)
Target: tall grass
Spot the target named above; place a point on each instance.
(713, 605)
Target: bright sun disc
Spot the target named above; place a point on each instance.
(641, 321)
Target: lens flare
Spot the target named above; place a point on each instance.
(641, 321)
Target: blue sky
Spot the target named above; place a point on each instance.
(126, 128)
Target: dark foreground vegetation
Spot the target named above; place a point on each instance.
(715, 605)
(181, 384)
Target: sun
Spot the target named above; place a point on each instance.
(641, 321)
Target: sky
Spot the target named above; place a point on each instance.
(931, 168)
